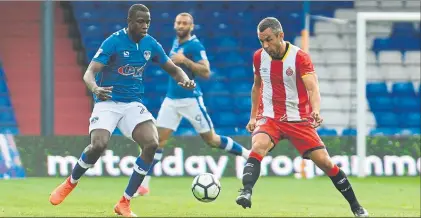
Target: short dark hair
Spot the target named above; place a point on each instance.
(187, 15)
(137, 7)
(272, 23)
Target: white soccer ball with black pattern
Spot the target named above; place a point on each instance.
(206, 187)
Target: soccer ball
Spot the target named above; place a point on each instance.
(206, 187)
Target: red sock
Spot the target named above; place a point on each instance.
(334, 171)
(256, 156)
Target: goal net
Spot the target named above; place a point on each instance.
(363, 18)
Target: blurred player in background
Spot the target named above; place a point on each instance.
(188, 53)
(286, 104)
(117, 89)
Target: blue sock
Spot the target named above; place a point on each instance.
(233, 147)
(156, 159)
(139, 171)
(83, 165)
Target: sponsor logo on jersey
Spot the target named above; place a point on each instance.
(128, 70)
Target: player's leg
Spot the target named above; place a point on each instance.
(102, 124)
(197, 115)
(139, 125)
(167, 121)
(310, 146)
(322, 159)
(265, 137)
(224, 142)
(164, 135)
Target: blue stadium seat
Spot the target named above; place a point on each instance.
(242, 131)
(386, 119)
(403, 89)
(410, 131)
(9, 130)
(402, 29)
(408, 43)
(114, 27)
(406, 104)
(238, 73)
(5, 101)
(410, 120)
(243, 118)
(349, 132)
(185, 123)
(82, 5)
(223, 119)
(242, 88)
(380, 104)
(377, 89)
(228, 43)
(223, 103)
(419, 90)
(228, 131)
(3, 86)
(219, 74)
(7, 116)
(327, 132)
(384, 132)
(242, 103)
(385, 44)
(218, 88)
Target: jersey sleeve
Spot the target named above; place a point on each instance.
(159, 54)
(199, 53)
(105, 52)
(303, 64)
(256, 62)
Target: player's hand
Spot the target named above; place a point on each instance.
(178, 58)
(251, 125)
(187, 84)
(317, 119)
(103, 93)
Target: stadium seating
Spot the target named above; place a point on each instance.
(7, 116)
(225, 30)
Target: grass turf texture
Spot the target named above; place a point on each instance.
(273, 196)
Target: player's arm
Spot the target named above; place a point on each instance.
(255, 93)
(198, 63)
(89, 76)
(201, 68)
(312, 86)
(309, 77)
(101, 58)
(173, 70)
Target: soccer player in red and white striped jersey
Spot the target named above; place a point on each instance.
(286, 105)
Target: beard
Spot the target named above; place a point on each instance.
(182, 33)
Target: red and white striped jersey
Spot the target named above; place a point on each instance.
(283, 95)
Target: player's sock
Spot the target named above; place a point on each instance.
(156, 158)
(252, 170)
(233, 147)
(341, 183)
(139, 171)
(84, 163)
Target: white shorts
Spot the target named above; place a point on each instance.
(109, 115)
(193, 109)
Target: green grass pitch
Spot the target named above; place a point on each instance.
(172, 197)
